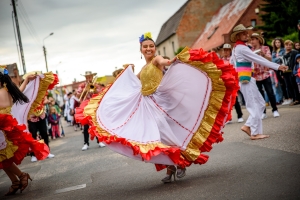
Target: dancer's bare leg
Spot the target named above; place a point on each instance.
(14, 170)
(247, 130)
(11, 175)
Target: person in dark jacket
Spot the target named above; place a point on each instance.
(289, 78)
(296, 71)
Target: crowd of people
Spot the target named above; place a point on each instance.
(276, 87)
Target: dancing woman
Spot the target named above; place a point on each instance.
(14, 141)
(169, 119)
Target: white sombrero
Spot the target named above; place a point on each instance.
(238, 29)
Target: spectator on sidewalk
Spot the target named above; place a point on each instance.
(53, 119)
(276, 87)
(74, 102)
(277, 57)
(297, 70)
(289, 78)
(262, 74)
(297, 46)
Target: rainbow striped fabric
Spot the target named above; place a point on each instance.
(244, 71)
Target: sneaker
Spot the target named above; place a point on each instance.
(240, 120)
(101, 144)
(228, 122)
(50, 155)
(85, 147)
(75, 128)
(276, 113)
(287, 102)
(33, 159)
(264, 116)
(54, 138)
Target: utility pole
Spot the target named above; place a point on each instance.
(19, 35)
(45, 54)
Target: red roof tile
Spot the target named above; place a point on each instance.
(222, 23)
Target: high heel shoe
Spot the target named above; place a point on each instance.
(171, 171)
(181, 173)
(13, 188)
(24, 180)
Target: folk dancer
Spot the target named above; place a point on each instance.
(242, 57)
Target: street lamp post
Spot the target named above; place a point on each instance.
(44, 48)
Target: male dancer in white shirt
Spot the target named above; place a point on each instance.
(242, 58)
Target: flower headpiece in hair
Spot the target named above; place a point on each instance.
(145, 36)
(3, 69)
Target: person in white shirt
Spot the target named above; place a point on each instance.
(242, 58)
(73, 101)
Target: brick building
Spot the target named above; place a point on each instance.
(184, 26)
(218, 29)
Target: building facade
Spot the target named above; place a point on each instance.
(218, 29)
(182, 28)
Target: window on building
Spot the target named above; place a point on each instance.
(173, 46)
(164, 51)
(253, 22)
(158, 52)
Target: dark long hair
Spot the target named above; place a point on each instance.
(281, 44)
(13, 90)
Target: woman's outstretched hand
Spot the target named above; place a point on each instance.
(169, 62)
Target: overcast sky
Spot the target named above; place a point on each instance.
(94, 35)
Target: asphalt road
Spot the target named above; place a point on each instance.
(238, 168)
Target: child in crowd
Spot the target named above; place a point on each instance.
(53, 119)
(296, 71)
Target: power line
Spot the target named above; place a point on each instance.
(27, 26)
(29, 22)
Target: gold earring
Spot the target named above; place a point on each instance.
(4, 86)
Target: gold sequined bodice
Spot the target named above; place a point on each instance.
(150, 78)
(6, 110)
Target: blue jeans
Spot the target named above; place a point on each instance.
(278, 93)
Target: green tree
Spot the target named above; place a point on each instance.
(280, 17)
(178, 50)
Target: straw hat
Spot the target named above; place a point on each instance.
(31, 73)
(87, 73)
(259, 37)
(238, 29)
(226, 46)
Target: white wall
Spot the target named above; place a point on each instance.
(168, 46)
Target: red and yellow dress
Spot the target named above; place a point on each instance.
(15, 142)
(166, 119)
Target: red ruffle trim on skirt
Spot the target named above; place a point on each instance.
(15, 133)
(230, 78)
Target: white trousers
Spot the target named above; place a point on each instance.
(255, 105)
